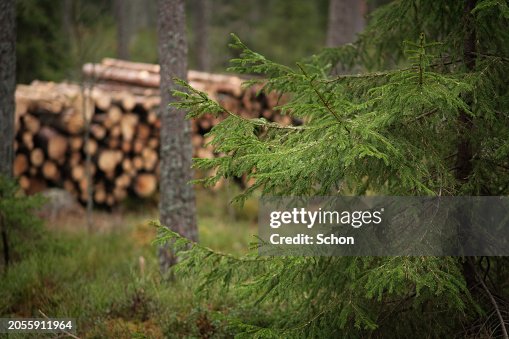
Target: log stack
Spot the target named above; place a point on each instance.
(120, 111)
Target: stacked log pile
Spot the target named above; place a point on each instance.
(120, 111)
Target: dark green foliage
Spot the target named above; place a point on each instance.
(41, 48)
(54, 41)
(19, 226)
(393, 129)
(49, 48)
(331, 297)
(90, 34)
(283, 30)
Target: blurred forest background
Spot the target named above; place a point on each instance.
(64, 34)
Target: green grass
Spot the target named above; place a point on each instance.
(99, 279)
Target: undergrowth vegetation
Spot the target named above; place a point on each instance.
(110, 282)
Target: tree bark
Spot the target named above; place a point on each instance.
(7, 109)
(177, 201)
(7, 84)
(5, 242)
(201, 30)
(121, 9)
(67, 20)
(464, 148)
(346, 19)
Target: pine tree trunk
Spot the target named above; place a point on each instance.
(177, 201)
(67, 20)
(463, 162)
(201, 30)
(346, 19)
(121, 8)
(7, 84)
(7, 88)
(464, 157)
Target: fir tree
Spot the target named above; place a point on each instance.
(428, 116)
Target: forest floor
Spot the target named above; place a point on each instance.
(109, 280)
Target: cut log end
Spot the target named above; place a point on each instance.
(145, 185)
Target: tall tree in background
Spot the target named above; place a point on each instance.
(7, 83)
(123, 15)
(201, 31)
(346, 19)
(7, 88)
(67, 19)
(177, 203)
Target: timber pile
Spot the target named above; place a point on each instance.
(121, 110)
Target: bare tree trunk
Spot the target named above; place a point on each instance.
(7, 88)
(67, 18)
(201, 31)
(122, 15)
(346, 19)
(464, 157)
(7, 83)
(177, 202)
